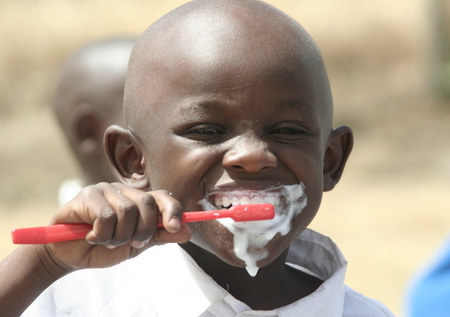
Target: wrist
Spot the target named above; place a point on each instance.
(49, 269)
(24, 274)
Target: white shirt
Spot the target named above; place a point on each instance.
(165, 281)
(69, 189)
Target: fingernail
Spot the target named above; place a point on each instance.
(138, 244)
(110, 246)
(175, 223)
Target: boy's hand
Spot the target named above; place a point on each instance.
(124, 224)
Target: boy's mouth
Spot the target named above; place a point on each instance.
(250, 238)
(226, 200)
(279, 196)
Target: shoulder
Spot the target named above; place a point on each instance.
(358, 305)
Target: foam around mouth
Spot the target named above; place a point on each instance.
(251, 237)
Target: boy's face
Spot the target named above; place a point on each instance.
(223, 117)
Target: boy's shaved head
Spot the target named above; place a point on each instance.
(204, 34)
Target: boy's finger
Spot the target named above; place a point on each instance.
(113, 214)
(127, 214)
(170, 210)
(90, 206)
(102, 213)
(148, 214)
(181, 236)
(152, 206)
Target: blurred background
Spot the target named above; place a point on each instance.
(391, 209)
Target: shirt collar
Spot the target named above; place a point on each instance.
(311, 251)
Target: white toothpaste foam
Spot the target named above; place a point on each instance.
(251, 237)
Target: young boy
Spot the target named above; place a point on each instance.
(226, 102)
(88, 99)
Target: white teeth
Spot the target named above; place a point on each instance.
(225, 202)
(245, 200)
(255, 200)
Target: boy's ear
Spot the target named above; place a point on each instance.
(339, 146)
(125, 156)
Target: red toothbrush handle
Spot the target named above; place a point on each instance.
(75, 231)
(50, 234)
(194, 216)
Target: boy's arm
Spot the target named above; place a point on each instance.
(124, 224)
(24, 274)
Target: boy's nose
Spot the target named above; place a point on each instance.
(249, 155)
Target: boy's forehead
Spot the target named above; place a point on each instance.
(225, 36)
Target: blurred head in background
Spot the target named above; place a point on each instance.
(88, 99)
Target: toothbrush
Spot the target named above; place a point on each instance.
(76, 231)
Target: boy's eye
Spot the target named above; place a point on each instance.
(288, 132)
(205, 133)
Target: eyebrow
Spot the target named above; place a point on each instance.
(195, 110)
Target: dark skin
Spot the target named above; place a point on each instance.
(236, 122)
(225, 108)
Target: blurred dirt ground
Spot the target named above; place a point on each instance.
(392, 207)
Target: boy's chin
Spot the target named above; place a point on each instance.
(222, 246)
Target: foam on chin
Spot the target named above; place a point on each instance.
(251, 237)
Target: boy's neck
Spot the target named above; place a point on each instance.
(274, 286)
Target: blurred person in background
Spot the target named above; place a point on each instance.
(88, 99)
